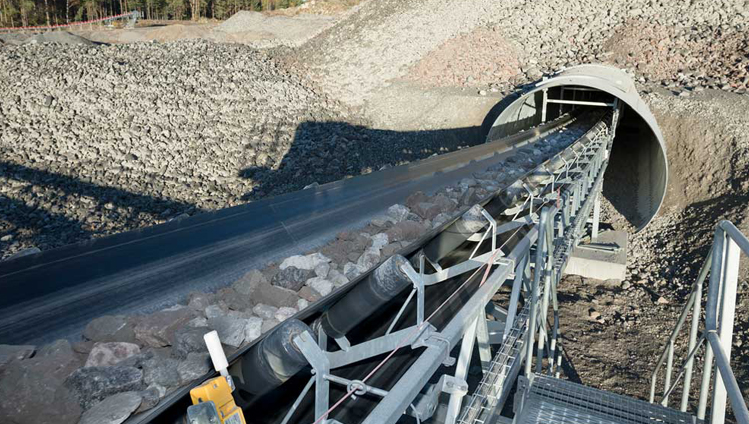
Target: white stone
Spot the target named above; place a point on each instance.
(264, 311)
(285, 313)
(302, 304)
(306, 262)
(379, 241)
(320, 285)
(254, 329)
(368, 259)
(214, 311)
(337, 278)
(198, 322)
(398, 213)
(322, 270)
(351, 270)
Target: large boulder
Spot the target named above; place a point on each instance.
(406, 230)
(305, 262)
(104, 354)
(427, 210)
(234, 300)
(254, 329)
(264, 311)
(249, 282)
(10, 353)
(415, 199)
(161, 371)
(110, 328)
(188, 340)
(157, 329)
(113, 410)
(150, 397)
(32, 390)
(276, 296)
(398, 213)
(444, 203)
(94, 384)
(199, 301)
(194, 366)
(321, 286)
(284, 313)
(231, 330)
(292, 278)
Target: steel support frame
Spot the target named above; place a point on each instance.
(391, 408)
(410, 384)
(469, 324)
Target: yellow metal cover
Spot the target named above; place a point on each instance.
(218, 391)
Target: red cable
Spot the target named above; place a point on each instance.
(416, 331)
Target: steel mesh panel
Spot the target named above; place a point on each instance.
(483, 401)
(555, 400)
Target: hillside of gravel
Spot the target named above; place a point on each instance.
(103, 139)
(684, 44)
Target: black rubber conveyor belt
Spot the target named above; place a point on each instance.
(56, 293)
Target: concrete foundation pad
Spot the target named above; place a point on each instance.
(604, 259)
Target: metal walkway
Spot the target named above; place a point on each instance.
(551, 400)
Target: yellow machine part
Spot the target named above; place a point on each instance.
(219, 391)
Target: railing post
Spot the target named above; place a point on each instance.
(728, 282)
(669, 369)
(696, 309)
(711, 308)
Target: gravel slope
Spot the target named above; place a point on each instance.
(98, 140)
(696, 43)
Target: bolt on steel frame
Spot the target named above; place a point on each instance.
(563, 203)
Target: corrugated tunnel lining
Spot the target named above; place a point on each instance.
(636, 179)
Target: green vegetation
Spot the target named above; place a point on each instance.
(42, 12)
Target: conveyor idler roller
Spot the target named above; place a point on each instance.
(366, 297)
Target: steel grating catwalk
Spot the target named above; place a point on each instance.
(552, 400)
(483, 402)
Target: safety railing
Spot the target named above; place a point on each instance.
(722, 264)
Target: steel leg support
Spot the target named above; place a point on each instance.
(482, 338)
(461, 369)
(596, 217)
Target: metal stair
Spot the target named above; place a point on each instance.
(551, 400)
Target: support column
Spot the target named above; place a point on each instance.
(482, 339)
(596, 217)
(461, 369)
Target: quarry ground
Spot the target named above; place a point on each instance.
(169, 120)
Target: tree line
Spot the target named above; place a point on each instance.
(15, 13)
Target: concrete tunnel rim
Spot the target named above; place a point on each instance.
(595, 76)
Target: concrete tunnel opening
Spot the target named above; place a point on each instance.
(636, 178)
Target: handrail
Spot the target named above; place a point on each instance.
(723, 265)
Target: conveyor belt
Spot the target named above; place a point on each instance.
(272, 406)
(55, 293)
